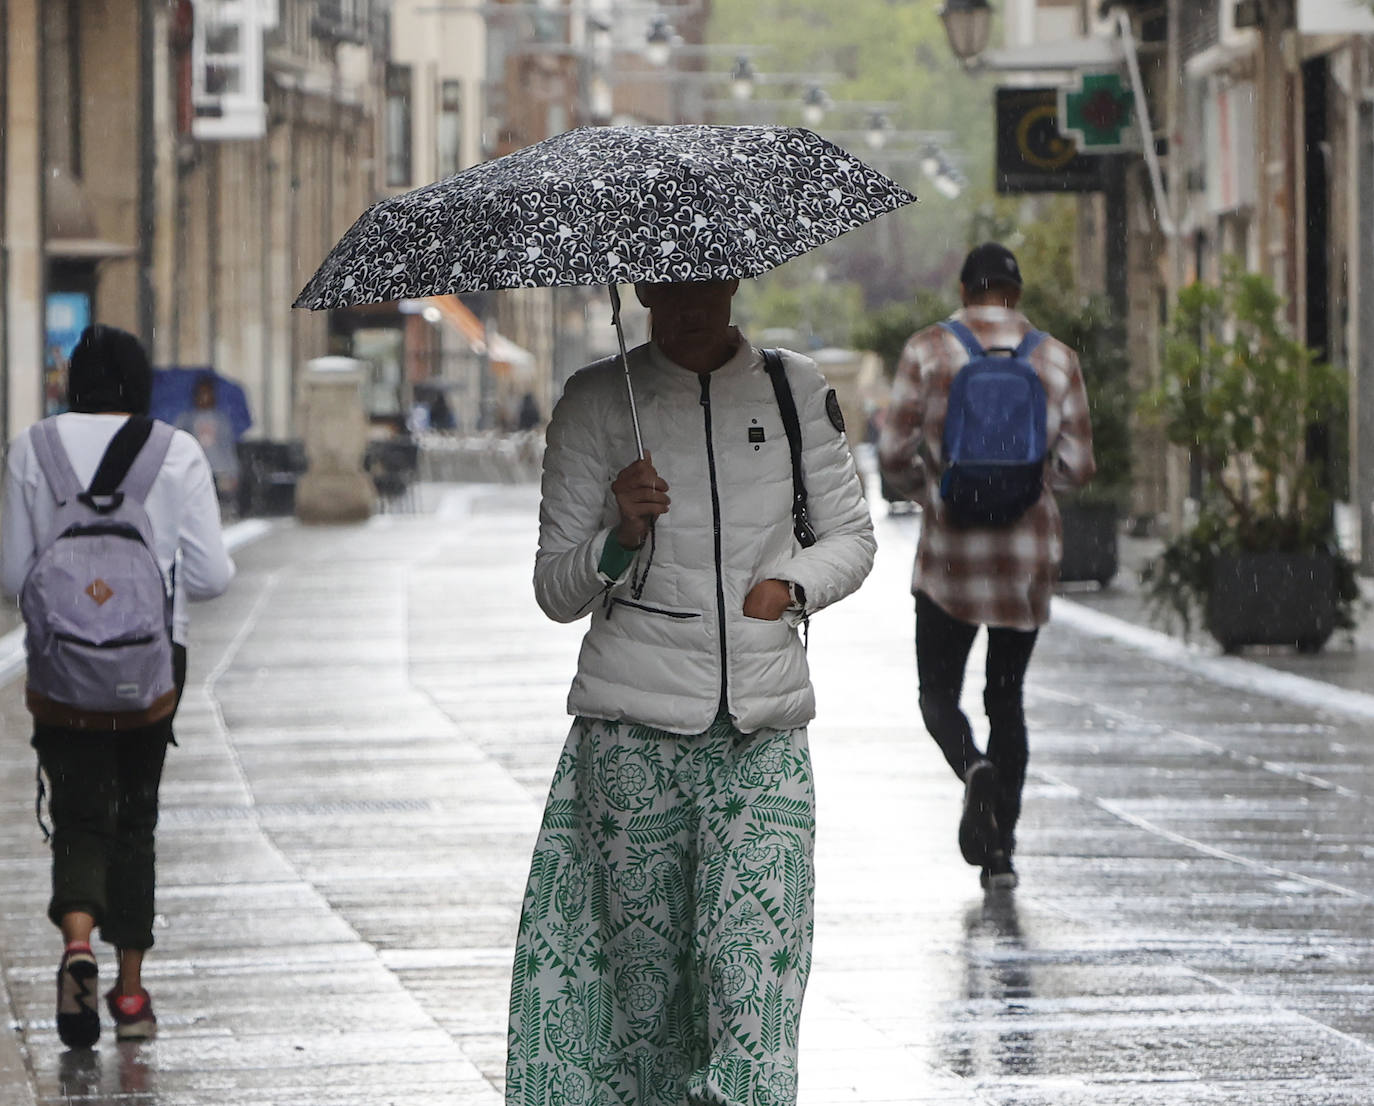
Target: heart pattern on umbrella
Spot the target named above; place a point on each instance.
(609, 205)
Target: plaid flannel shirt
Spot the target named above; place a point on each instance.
(993, 576)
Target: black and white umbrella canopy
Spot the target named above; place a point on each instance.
(608, 205)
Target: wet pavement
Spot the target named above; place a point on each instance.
(370, 723)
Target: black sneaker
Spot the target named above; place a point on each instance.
(78, 1016)
(978, 836)
(998, 874)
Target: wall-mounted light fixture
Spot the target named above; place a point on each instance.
(968, 25)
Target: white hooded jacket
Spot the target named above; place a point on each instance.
(670, 657)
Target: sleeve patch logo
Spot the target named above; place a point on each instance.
(832, 408)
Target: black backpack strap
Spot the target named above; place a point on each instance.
(787, 408)
(138, 481)
(120, 455)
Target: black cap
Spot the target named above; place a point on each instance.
(989, 264)
(109, 371)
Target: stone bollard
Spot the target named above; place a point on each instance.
(334, 487)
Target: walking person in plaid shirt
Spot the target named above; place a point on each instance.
(994, 576)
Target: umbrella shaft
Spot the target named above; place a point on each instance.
(625, 361)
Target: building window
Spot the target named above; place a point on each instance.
(450, 127)
(227, 70)
(398, 161)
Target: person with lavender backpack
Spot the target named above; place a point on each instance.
(134, 501)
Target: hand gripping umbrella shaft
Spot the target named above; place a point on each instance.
(625, 360)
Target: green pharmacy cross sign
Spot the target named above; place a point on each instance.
(1099, 114)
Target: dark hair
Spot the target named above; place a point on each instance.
(109, 371)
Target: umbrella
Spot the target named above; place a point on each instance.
(609, 205)
(174, 391)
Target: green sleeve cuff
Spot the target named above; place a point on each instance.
(615, 558)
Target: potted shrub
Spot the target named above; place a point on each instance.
(1091, 515)
(1260, 564)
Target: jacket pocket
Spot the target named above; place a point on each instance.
(762, 635)
(649, 608)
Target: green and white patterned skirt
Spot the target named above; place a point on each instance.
(665, 938)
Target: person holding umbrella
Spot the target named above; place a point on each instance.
(666, 933)
(210, 426)
(665, 938)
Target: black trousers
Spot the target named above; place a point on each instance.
(942, 648)
(103, 803)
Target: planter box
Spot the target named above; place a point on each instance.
(1273, 599)
(1090, 551)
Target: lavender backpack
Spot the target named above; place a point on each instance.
(96, 606)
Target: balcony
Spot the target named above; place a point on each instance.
(351, 21)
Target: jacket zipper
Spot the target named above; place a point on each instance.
(715, 527)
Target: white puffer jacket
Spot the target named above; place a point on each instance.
(669, 658)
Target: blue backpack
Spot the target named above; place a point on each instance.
(995, 437)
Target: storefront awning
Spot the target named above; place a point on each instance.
(86, 249)
(464, 323)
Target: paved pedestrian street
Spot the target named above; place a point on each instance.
(371, 720)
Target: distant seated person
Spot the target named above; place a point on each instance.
(440, 413)
(212, 429)
(528, 417)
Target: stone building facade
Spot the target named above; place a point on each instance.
(178, 168)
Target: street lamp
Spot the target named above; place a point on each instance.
(948, 186)
(814, 105)
(946, 179)
(968, 25)
(742, 78)
(878, 126)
